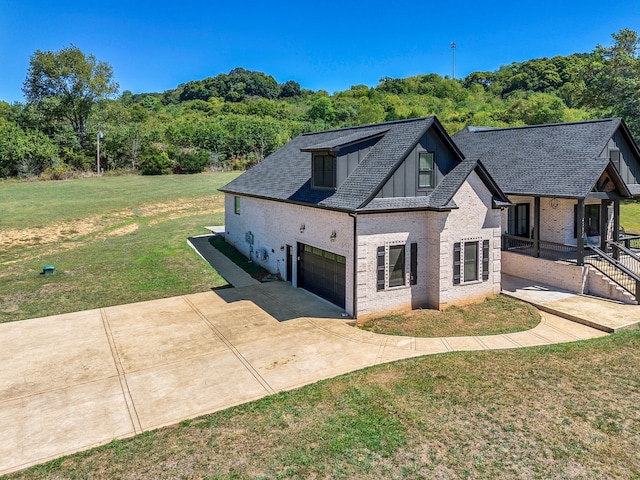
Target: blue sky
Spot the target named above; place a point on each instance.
(330, 45)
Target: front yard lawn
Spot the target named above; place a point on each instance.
(494, 316)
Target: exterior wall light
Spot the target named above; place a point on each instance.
(333, 235)
(302, 227)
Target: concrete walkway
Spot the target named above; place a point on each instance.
(608, 316)
(71, 382)
(225, 267)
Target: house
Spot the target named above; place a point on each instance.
(399, 215)
(374, 219)
(565, 183)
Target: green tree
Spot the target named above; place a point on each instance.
(67, 84)
(612, 80)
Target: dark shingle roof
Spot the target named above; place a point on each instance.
(285, 174)
(335, 144)
(549, 160)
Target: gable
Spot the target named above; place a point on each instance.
(405, 179)
(625, 157)
(562, 160)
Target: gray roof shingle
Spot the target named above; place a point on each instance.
(560, 160)
(285, 175)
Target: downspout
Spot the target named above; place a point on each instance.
(355, 264)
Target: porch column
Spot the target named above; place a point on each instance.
(580, 231)
(616, 226)
(604, 224)
(536, 227)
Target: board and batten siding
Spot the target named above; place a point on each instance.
(348, 159)
(629, 166)
(404, 182)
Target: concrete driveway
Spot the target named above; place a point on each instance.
(71, 382)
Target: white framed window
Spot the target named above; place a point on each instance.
(391, 271)
(471, 260)
(425, 170)
(236, 205)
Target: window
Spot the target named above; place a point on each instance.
(518, 220)
(425, 170)
(396, 265)
(391, 266)
(591, 221)
(236, 205)
(323, 171)
(470, 261)
(466, 261)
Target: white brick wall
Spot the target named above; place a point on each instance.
(275, 225)
(561, 275)
(473, 218)
(556, 224)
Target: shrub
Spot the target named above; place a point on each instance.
(194, 161)
(61, 172)
(156, 162)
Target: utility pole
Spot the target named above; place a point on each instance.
(100, 135)
(453, 60)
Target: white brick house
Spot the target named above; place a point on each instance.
(374, 219)
(565, 182)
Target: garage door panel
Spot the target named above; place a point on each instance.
(323, 273)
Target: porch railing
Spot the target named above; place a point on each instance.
(630, 241)
(546, 250)
(614, 270)
(627, 257)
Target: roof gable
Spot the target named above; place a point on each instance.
(547, 160)
(285, 174)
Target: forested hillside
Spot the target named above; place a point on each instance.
(234, 120)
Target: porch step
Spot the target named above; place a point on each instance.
(602, 286)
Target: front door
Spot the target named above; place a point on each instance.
(289, 264)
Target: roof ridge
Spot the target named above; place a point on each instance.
(381, 124)
(484, 129)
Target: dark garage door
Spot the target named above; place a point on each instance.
(322, 272)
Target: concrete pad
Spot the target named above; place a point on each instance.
(305, 356)
(63, 350)
(497, 342)
(553, 335)
(169, 332)
(135, 367)
(169, 393)
(612, 315)
(579, 331)
(464, 343)
(527, 339)
(40, 427)
(430, 345)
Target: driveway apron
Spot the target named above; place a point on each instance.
(74, 381)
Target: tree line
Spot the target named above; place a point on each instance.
(234, 120)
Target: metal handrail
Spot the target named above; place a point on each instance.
(632, 285)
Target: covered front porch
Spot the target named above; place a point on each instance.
(579, 233)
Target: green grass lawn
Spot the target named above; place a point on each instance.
(494, 316)
(630, 216)
(563, 411)
(113, 240)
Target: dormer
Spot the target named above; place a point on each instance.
(333, 160)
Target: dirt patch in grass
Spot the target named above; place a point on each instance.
(81, 228)
(494, 316)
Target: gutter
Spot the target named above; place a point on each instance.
(355, 264)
